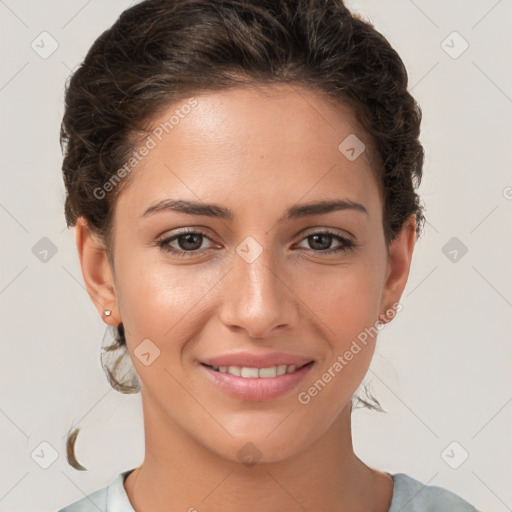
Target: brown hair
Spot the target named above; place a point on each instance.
(159, 52)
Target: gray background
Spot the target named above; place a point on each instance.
(442, 368)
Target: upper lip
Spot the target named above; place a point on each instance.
(257, 360)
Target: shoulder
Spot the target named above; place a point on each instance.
(410, 495)
(93, 502)
(111, 498)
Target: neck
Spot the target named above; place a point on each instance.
(180, 474)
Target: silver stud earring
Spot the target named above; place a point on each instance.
(107, 312)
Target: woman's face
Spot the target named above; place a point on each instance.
(262, 277)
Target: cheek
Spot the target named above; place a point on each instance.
(348, 310)
(164, 304)
(162, 301)
(346, 298)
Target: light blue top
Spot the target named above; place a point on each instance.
(409, 495)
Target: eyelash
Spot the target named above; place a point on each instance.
(348, 245)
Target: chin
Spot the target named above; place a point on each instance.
(258, 447)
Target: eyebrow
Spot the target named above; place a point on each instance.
(215, 210)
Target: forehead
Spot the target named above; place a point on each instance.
(268, 144)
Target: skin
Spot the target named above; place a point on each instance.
(256, 154)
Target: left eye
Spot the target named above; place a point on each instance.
(322, 238)
(189, 242)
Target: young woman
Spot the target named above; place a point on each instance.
(242, 177)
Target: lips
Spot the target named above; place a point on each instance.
(256, 377)
(250, 360)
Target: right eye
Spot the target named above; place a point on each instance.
(189, 243)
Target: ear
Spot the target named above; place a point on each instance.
(399, 263)
(96, 271)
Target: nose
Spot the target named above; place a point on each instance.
(256, 298)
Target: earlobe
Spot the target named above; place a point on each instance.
(96, 272)
(400, 257)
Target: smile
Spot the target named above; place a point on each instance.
(256, 384)
(255, 373)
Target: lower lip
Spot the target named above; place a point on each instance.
(257, 389)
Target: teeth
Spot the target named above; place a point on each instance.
(267, 372)
(254, 373)
(251, 373)
(234, 370)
